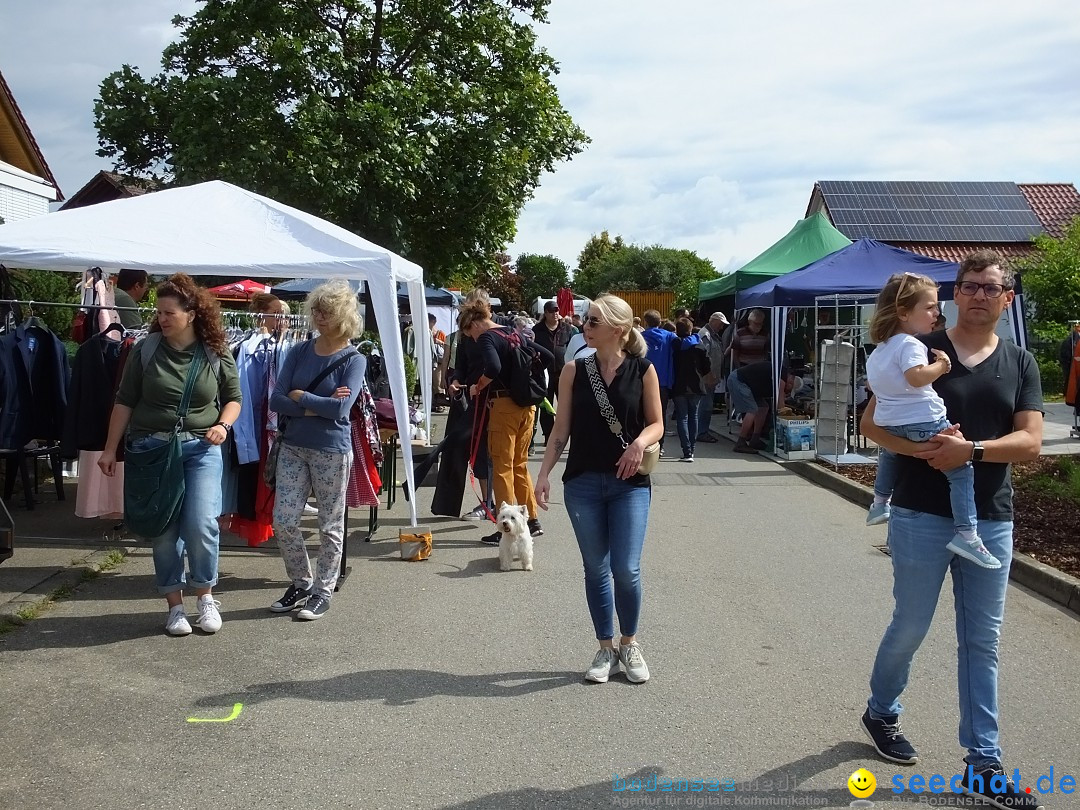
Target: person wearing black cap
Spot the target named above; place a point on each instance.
(553, 334)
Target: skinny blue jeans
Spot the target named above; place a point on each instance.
(920, 560)
(961, 479)
(609, 518)
(195, 531)
(687, 408)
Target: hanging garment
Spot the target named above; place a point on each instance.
(33, 386)
(364, 480)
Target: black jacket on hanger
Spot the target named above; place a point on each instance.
(94, 379)
(33, 386)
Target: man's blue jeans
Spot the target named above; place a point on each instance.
(920, 559)
(686, 420)
(961, 479)
(196, 530)
(609, 518)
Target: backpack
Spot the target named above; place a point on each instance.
(523, 371)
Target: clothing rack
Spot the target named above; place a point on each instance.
(295, 323)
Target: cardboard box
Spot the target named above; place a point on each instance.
(796, 439)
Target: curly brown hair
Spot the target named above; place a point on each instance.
(193, 298)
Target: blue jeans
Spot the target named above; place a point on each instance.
(704, 417)
(961, 480)
(609, 518)
(920, 559)
(196, 530)
(686, 420)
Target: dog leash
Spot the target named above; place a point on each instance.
(479, 415)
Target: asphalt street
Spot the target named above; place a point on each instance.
(450, 684)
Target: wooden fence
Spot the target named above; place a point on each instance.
(640, 300)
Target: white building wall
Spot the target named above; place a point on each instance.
(16, 204)
(23, 195)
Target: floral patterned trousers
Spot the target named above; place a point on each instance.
(301, 470)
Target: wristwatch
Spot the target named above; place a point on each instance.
(225, 425)
(977, 451)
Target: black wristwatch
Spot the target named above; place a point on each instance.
(977, 451)
(225, 425)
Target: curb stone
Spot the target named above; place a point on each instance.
(1044, 580)
(70, 576)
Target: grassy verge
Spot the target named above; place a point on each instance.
(1060, 480)
(29, 612)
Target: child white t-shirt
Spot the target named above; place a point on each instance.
(898, 402)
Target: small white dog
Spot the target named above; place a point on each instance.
(516, 539)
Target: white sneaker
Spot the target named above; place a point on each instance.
(604, 665)
(177, 623)
(310, 510)
(634, 663)
(209, 618)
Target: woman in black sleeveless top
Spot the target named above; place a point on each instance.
(608, 502)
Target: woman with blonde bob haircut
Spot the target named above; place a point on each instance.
(316, 387)
(606, 498)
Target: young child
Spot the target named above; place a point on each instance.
(900, 375)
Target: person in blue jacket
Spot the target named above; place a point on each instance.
(661, 346)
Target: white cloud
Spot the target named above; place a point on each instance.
(710, 121)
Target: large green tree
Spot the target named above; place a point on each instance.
(634, 267)
(541, 276)
(422, 126)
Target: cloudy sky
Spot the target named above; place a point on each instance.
(710, 119)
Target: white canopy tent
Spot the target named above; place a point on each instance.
(219, 229)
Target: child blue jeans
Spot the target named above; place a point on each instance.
(961, 479)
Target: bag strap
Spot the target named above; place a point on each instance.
(189, 386)
(322, 375)
(597, 384)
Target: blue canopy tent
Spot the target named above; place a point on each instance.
(861, 268)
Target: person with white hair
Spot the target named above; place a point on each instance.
(715, 341)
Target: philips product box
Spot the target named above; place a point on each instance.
(797, 438)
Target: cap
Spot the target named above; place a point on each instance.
(719, 315)
(551, 306)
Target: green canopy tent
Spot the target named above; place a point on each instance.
(810, 239)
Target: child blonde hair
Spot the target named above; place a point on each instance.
(902, 292)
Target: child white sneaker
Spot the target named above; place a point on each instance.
(177, 623)
(209, 617)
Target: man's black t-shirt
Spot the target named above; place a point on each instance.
(983, 401)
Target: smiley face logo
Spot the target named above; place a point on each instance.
(862, 784)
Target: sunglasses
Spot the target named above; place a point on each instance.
(593, 321)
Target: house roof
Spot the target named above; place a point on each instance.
(957, 251)
(108, 186)
(17, 144)
(1055, 204)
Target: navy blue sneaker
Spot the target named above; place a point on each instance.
(888, 739)
(294, 597)
(994, 786)
(315, 608)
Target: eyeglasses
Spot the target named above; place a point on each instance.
(972, 287)
(593, 321)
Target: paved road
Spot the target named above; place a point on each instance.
(449, 684)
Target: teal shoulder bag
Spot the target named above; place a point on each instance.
(154, 478)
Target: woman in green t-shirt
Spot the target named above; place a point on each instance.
(146, 410)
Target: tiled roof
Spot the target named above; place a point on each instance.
(956, 251)
(16, 136)
(108, 186)
(1055, 204)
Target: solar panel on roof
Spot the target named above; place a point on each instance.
(930, 211)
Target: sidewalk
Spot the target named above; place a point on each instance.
(450, 684)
